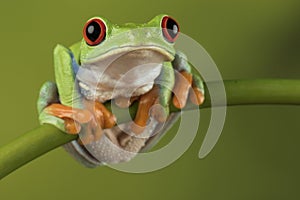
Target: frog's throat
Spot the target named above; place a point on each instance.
(125, 74)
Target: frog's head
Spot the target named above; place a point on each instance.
(115, 50)
(123, 61)
(103, 39)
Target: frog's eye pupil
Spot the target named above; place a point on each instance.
(175, 29)
(94, 31)
(170, 29)
(90, 29)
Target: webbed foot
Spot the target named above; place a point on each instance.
(93, 118)
(185, 88)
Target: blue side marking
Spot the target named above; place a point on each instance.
(75, 65)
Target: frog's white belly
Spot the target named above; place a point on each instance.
(105, 86)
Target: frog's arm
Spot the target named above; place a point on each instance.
(188, 82)
(165, 81)
(65, 64)
(61, 104)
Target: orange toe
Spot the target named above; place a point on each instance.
(62, 111)
(181, 89)
(142, 115)
(108, 117)
(196, 96)
(158, 112)
(71, 126)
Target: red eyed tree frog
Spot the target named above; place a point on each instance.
(92, 72)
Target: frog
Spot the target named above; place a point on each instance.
(91, 72)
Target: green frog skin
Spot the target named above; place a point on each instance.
(124, 63)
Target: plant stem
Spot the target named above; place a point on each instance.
(239, 92)
(30, 146)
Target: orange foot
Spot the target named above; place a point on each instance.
(94, 118)
(185, 88)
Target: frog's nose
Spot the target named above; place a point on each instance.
(140, 34)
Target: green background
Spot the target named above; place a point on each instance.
(257, 156)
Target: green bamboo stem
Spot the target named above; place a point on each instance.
(238, 92)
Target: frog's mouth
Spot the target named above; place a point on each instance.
(125, 71)
(121, 50)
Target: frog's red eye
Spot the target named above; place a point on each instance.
(170, 28)
(94, 31)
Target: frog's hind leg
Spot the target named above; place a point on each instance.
(48, 95)
(156, 101)
(49, 109)
(146, 101)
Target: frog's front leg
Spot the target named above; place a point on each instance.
(94, 117)
(61, 104)
(187, 85)
(184, 84)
